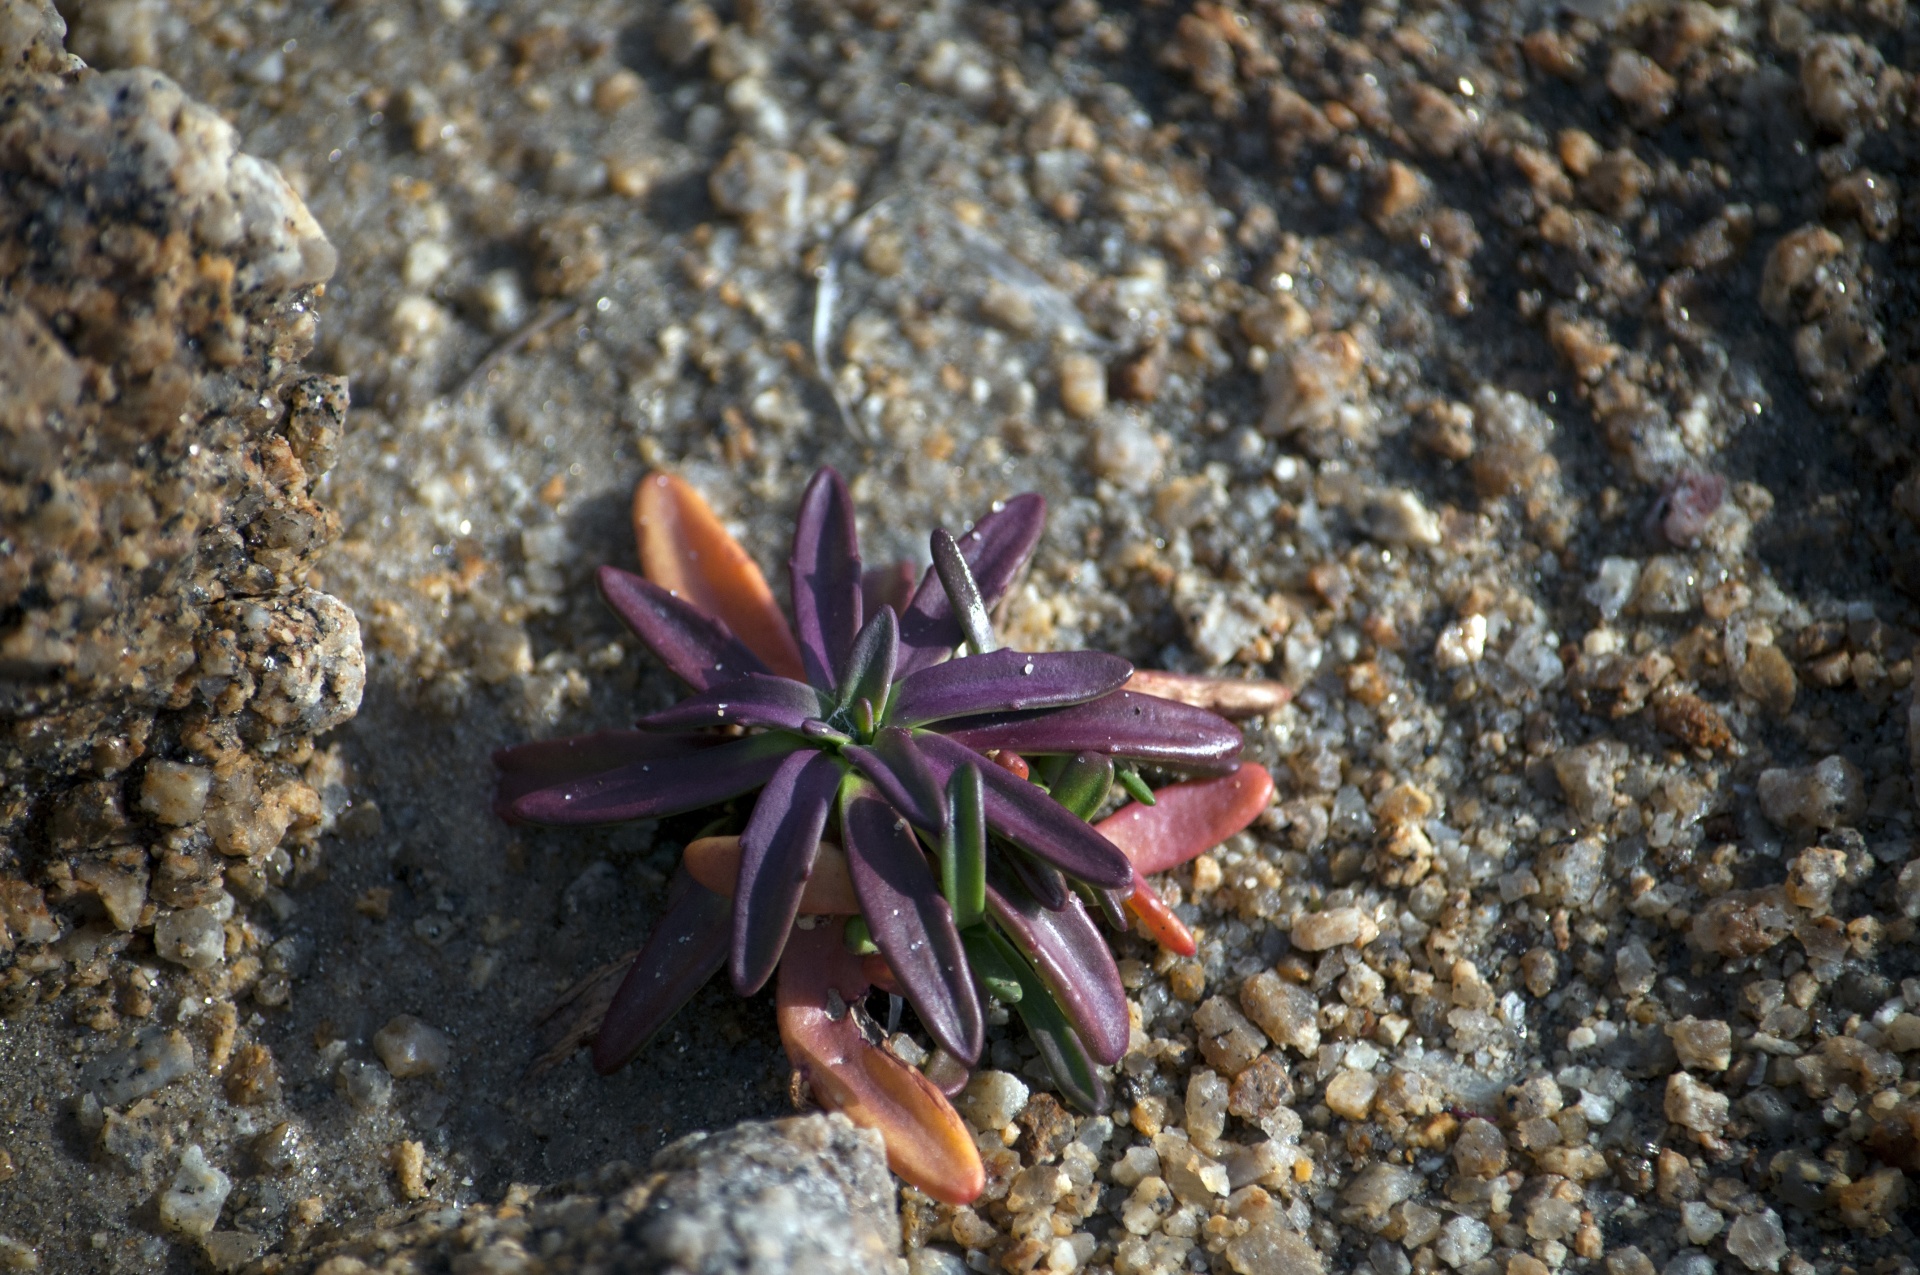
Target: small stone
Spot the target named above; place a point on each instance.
(252, 1077)
(193, 937)
(365, 1086)
(1261, 1088)
(15, 1256)
(409, 1160)
(228, 1252)
(1350, 1093)
(155, 1059)
(409, 1047)
(1699, 1107)
(1703, 1044)
(1902, 1035)
(1639, 82)
(1375, 1190)
(1228, 1041)
(620, 89)
(1270, 1249)
(1288, 1014)
(280, 1150)
(1808, 798)
(1206, 1109)
(1336, 927)
(992, 1099)
(1195, 1178)
(1083, 386)
(1315, 387)
(1689, 1261)
(1768, 676)
(1758, 1240)
(191, 1203)
(1462, 1242)
(1399, 517)
(1700, 1222)
(174, 792)
(1479, 1149)
(1586, 780)
(1461, 643)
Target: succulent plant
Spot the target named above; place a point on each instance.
(921, 823)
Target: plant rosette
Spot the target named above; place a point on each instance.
(921, 824)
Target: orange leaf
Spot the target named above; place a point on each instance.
(927, 1143)
(715, 863)
(1157, 920)
(1188, 819)
(685, 550)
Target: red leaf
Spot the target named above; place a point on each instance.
(1189, 819)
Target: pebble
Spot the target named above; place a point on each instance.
(1694, 1105)
(175, 793)
(1702, 1044)
(156, 1058)
(1287, 1013)
(1462, 1242)
(1807, 798)
(192, 1201)
(193, 937)
(1335, 927)
(1083, 386)
(409, 1047)
(1350, 1094)
(1758, 1240)
(366, 1086)
(992, 1099)
(1479, 1149)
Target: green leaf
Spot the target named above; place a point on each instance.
(1046, 1023)
(998, 979)
(859, 938)
(963, 847)
(1083, 783)
(1136, 787)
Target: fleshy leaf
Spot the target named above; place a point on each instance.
(1071, 955)
(715, 863)
(902, 775)
(869, 671)
(699, 649)
(995, 966)
(963, 846)
(1158, 921)
(1060, 1046)
(685, 550)
(758, 699)
(927, 1142)
(995, 550)
(687, 946)
(888, 586)
(527, 768)
(1162, 732)
(1188, 819)
(963, 594)
(825, 567)
(667, 786)
(777, 851)
(1042, 880)
(1005, 682)
(1083, 783)
(909, 919)
(1032, 820)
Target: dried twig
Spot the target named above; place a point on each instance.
(573, 1020)
(553, 314)
(1232, 697)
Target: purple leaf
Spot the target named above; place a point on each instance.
(1042, 880)
(527, 768)
(758, 699)
(1067, 948)
(888, 586)
(910, 920)
(1005, 682)
(825, 567)
(995, 550)
(1032, 820)
(698, 648)
(1126, 724)
(903, 777)
(869, 671)
(667, 786)
(776, 858)
(688, 944)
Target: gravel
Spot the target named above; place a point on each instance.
(1531, 389)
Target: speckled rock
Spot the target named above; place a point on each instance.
(799, 1195)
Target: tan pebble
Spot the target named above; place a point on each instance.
(174, 792)
(1336, 927)
(617, 90)
(1083, 386)
(409, 1160)
(1350, 1094)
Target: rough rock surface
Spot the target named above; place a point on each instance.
(789, 1197)
(166, 654)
